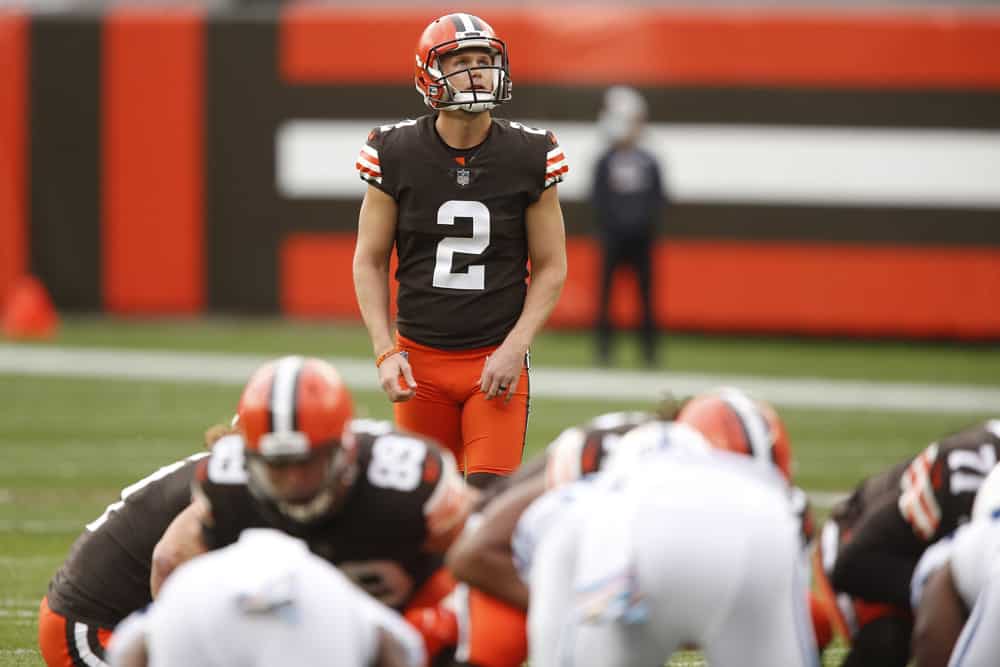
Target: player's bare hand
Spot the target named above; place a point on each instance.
(502, 371)
(396, 378)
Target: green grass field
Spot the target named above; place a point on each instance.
(68, 446)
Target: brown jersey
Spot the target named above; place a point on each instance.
(106, 576)
(406, 491)
(885, 526)
(460, 233)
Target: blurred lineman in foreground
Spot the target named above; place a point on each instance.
(869, 548)
(493, 594)
(264, 600)
(956, 590)
(634, 563)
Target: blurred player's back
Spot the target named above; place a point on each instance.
(263, 601)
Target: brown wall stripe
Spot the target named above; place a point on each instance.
(757, 106)
(13, 132)
(793, 47)
(65, 139)
(243, 109)
(153, 231)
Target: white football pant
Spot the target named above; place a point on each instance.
(687, 553)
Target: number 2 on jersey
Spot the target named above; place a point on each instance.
(474, 278)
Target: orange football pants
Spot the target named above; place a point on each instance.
(484, 435)
(68, 643)
(491, 633)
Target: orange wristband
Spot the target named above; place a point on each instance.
(385, 355)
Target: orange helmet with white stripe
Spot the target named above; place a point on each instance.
(731, 420)
(296, 410)
(445, 36)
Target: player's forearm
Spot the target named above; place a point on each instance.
(543, 294)
(371, 285)
(938, 621)
(181, 542)
(492, 571)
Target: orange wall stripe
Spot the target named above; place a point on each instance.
(152, 191)
(13, 133)
(586, 45)
(737, 286)
(317, 276)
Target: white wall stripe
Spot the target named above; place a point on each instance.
(718, 163)
(283, 394)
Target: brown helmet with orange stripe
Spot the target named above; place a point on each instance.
(446, 36)
(293, 415)
(731, 420)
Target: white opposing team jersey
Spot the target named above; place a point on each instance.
(688, 547)
(540, 517)
(622, 453)
(975, 551)
(266, 600)
(975, 568)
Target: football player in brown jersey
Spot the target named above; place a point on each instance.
(869, 547)
(381, 505)
(466, 200)
(106, 575)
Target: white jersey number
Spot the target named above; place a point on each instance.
(474, 278)
(397, 462)
(227, 464)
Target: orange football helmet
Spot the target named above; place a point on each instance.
(294, 410)
(731, 420)
(451, 33)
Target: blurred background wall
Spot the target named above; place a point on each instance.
(833, 170)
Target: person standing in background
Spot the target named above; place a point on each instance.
(628, 201)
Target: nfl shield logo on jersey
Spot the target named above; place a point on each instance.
(462, 176)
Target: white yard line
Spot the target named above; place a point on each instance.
(545, 382)
(569, 384)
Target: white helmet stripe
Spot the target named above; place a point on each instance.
(467, 22)
(283, 390)
(753, 422)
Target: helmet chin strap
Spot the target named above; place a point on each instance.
(306, 512)
(471, 106)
